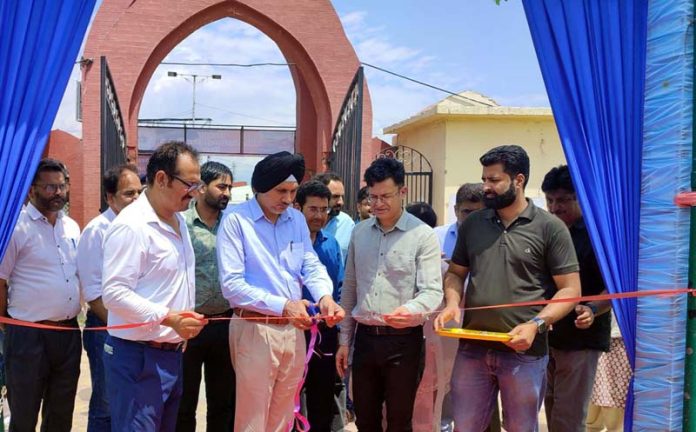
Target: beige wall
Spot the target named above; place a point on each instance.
(454, 152)
(430, 139)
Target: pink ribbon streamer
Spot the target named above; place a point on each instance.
(301, 423)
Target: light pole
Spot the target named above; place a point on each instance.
(193, 78)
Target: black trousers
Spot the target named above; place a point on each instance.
(210, 351)
(322, 386)
(42, 365)
(386, 370)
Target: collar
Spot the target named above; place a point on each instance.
(401, 224)
(35, 214)
(148, 214)
(109, 214)
(527, 213)
(257, 211)
(195, 216)
(453, 229)
(321, 237)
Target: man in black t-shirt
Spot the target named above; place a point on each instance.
(512, 252)
(578, 339)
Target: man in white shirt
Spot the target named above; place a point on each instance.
(122, 186)
(340, 225)
(38, 283)
(468, 199)
(148, 277)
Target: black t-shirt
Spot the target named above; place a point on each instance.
(565, 335)
(509, 265)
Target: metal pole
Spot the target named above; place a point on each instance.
(193, 105)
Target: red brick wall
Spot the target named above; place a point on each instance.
(136, 36)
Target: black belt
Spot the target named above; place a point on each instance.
(387, 330)
(72, 323)
(164, 346)
(226, 314)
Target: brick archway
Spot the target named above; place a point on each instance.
(136, 35)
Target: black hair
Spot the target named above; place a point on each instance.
(112, 176)
(311, 188)
(164, 159)
(363, 193)
(471, 192)
(50, 165)
(212, 170)
(513, 158)
(384, 168)
(558, 178)
(424, 212)
(327, 177)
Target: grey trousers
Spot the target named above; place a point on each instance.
(570, 377)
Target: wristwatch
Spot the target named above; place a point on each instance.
(592, 307)
(541, 324)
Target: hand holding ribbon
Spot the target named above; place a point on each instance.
(185, 323)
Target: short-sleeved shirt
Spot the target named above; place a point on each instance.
(510, 265)
(209, 298)
(565, 335)
(40, 267)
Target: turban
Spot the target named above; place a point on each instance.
(277, 168)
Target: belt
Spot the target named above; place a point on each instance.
(164, 346)
(71, 323)
(387, 330)
(226, 314)
(259, 317)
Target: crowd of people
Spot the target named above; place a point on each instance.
(193, 289)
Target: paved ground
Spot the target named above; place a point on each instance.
(84, 391)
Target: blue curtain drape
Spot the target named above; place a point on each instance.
(592, 58)
(39, 43)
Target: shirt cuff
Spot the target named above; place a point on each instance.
(277, 305)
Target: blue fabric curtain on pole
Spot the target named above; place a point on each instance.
(39, 43)
(592, 58)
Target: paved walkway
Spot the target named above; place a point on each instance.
(84, 390)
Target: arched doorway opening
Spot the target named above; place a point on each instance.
(136, 36)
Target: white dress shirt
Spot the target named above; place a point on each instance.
(90, 252)
(148, 269)
(40, 268)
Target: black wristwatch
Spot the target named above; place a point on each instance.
(541, 324)
(592, 307)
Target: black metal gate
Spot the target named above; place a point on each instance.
(113, 135)
(346, 145)
(419, 173)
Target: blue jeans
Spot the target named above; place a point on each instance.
(99, 416)
(144, 386)
(480, 372)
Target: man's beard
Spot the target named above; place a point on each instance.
(219, 204)
(334, 212)
(501, 201)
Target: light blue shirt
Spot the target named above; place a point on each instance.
(263, 265)
(447, 235)
(341, 227)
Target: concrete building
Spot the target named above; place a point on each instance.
(453, 133)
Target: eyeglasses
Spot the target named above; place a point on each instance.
(383, 198)
(54, 187)
(318, 210)
(192, 187)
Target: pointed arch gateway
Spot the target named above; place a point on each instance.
(136, 35)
